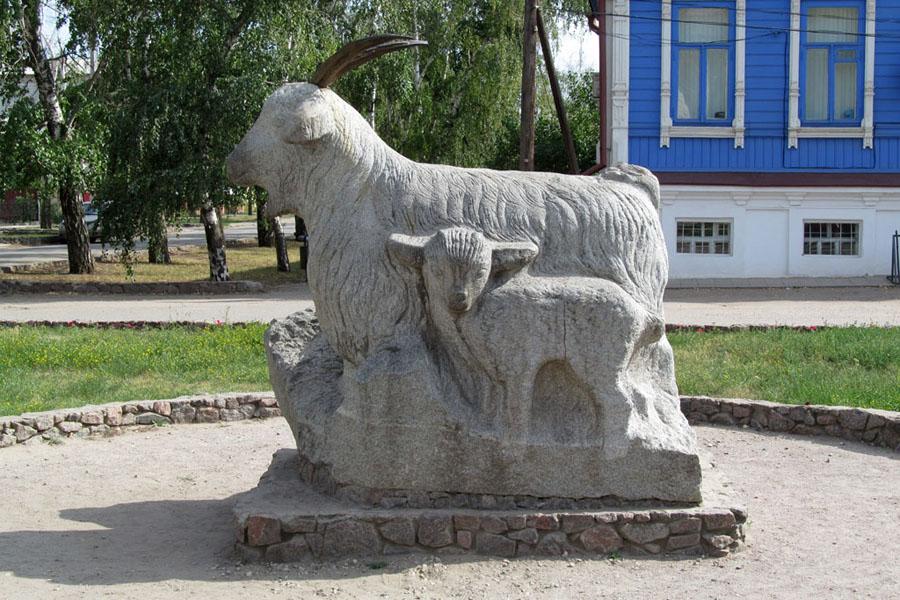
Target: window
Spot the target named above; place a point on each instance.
(832, 239)
(703, 237)
(832, 57)
(702, 56)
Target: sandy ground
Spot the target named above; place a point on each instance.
(794, 306)
(146, 515)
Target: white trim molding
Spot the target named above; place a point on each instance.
(665, 95)
(620, 34)
(866, 129)
(666, 128)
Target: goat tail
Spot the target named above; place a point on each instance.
(635, 175)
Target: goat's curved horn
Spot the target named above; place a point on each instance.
(359, 52)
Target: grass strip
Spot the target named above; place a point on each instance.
(47, 367)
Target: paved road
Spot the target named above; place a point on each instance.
(189, 236)
(804, 306)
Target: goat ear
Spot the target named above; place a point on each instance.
(512, 256)
(407, 249)
(312, 120)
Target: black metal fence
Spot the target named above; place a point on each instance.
(895, 260)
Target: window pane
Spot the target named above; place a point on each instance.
(717, 83)
(832, 25)
(845, 90)
(689, 84)
(703, 25)
(831, 238)
(817, 84)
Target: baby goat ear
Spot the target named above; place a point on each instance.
(407, 249)
(312, 120)
(512, 256)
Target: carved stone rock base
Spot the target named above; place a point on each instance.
(284, 520)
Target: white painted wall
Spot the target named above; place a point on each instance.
(767, 229)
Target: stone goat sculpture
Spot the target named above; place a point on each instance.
(481, 300)
(482, 332)
(318, 158)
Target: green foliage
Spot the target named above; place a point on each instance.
(29, 156)
(188, 81)
(549, 150)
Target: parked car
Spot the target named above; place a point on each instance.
(91, 221)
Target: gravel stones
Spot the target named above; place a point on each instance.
(642, 533)
(494, 545)
(400, 531)
(435, 532)
(601, 538)
(350, 538)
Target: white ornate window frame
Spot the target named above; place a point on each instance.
(666, 129)
(866, 129)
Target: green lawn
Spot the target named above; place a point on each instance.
(50, 367)
(855, 366)
(42, 368)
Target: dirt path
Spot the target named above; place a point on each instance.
(146, 515)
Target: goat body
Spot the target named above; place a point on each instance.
(318, 158)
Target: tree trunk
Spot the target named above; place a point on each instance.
(158, 243)
(215, 243)
(301, 234)
(77, 242)
(79, 248)
(529, 63)
(46, 211)
(281, 251)
(299, 228)
(264, 232)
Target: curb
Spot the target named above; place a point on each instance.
(168, 288)
(113, 419)
(873, 427)
(880, 428)
(32, 267)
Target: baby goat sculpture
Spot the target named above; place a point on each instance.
(378, 388)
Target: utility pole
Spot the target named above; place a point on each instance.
(557, 96)
(529, 62)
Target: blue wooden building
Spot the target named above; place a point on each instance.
(773, 125)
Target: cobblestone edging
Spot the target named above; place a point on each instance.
(867, 425)
(870, 426)
(708, 531)
(180, 287)
(112, 419)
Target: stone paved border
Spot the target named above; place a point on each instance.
(112, 419)
(284, 520)
(14, 286)
(870, 426)
(700, 531)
